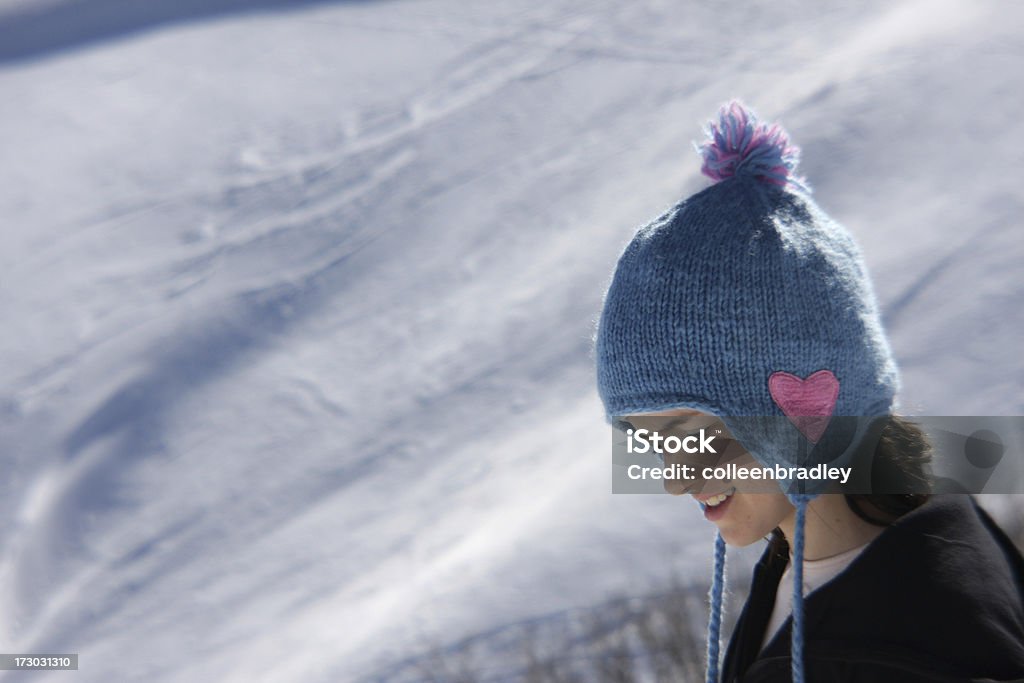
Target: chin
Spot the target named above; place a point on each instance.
(740, 539)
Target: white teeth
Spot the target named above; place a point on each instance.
(717, 500)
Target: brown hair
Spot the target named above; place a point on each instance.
(900, 460)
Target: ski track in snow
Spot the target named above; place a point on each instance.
(189, 495)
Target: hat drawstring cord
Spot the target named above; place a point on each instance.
(715, 622)
(797, 639)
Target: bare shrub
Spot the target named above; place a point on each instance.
(655, 637)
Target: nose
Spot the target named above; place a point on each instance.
(678, 488)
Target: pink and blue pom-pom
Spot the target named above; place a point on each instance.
(740, 145)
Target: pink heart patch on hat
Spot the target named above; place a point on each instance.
(808, 403)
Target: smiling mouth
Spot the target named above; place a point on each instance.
(719, 498)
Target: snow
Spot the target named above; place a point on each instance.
(296, 376)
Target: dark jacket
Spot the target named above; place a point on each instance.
(937, 596)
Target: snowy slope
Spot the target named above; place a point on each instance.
(296, 375)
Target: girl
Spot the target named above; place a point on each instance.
(747, 304)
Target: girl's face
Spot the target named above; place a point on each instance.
(741, 517)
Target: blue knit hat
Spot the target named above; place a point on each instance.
(748, 302)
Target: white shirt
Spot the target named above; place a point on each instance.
(816, 574)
